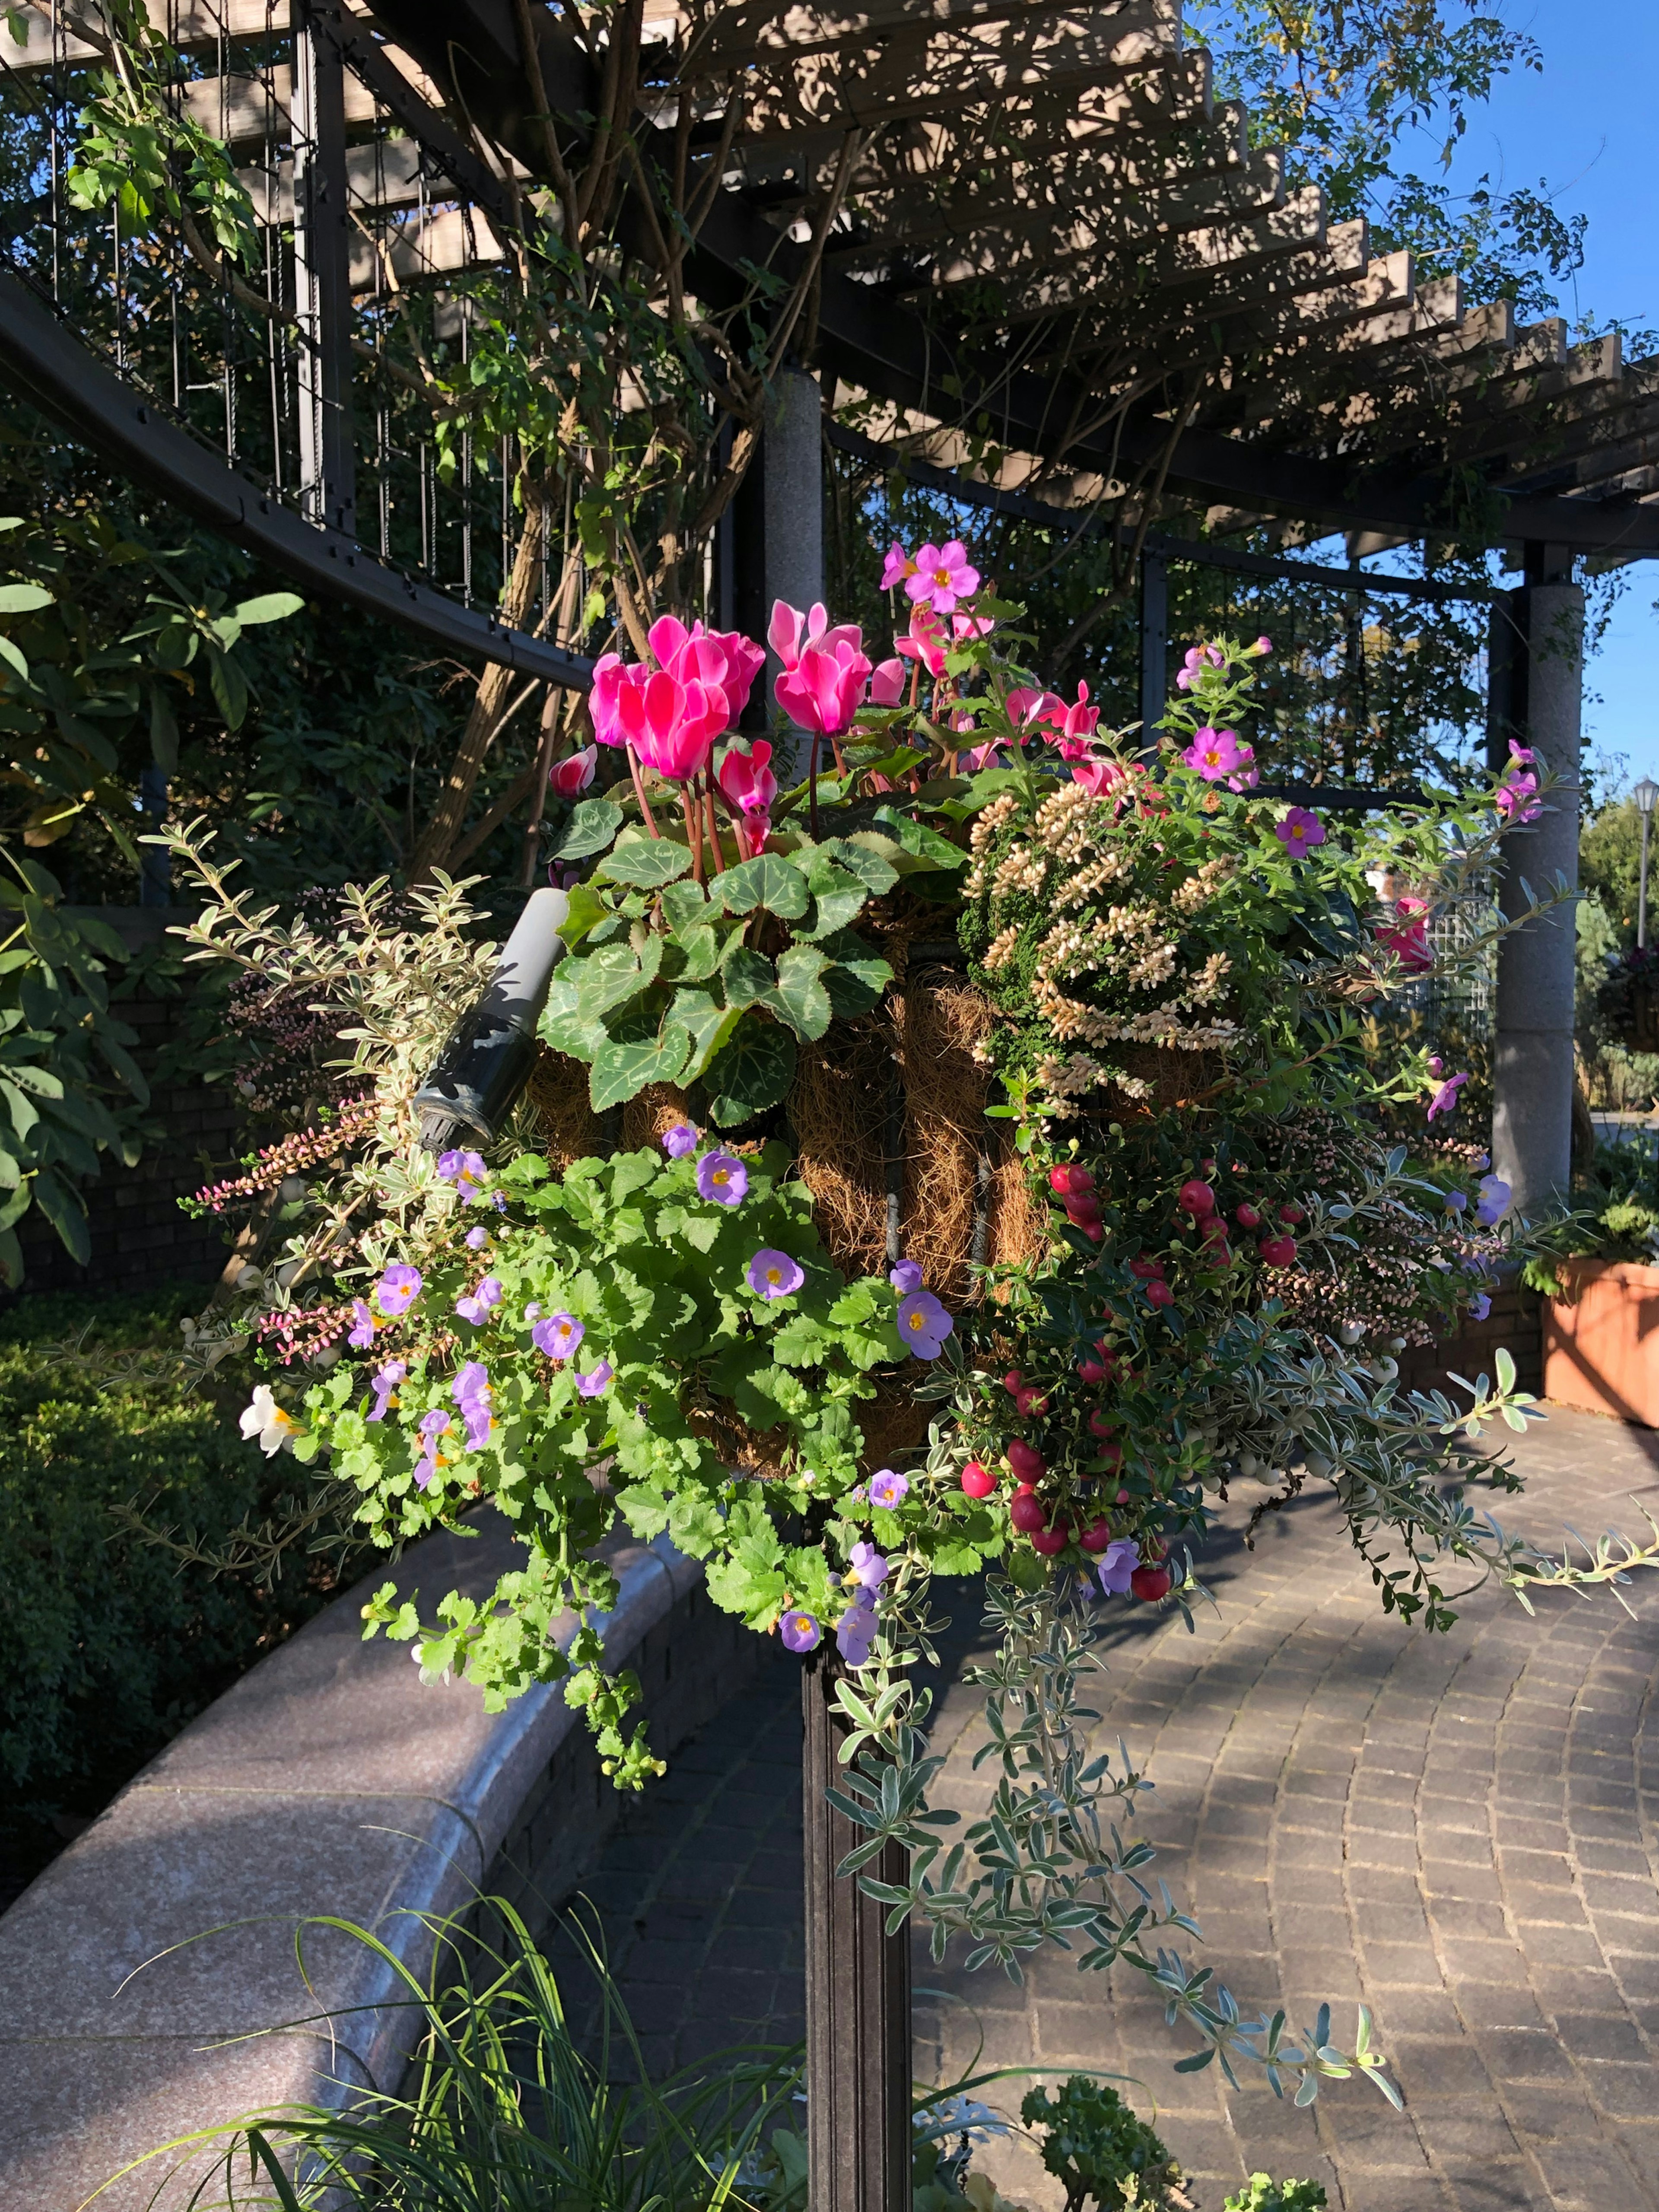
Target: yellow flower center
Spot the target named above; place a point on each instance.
(915, 1320)
(774, 1274)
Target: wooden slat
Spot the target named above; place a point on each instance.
(384, 176)
(753, 32)
(422, 247)
(240, 110)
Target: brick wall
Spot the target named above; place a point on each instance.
(139, 1238)
(1516, 1322)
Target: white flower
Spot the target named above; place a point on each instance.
(265, 1420)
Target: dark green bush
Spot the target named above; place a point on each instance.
(109, 1644)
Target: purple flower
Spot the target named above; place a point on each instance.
(477, 1307)
(1480, 1160)
(773, 1274)
(472, 1389)
(1445, 1098)
(905, 1277)
(1118, 1562)
(477, 1239)
(722, 1178)
(498, 1200)
(397, 1289)
(1300, 831)
(1492, 1202)
(1456, 1201)
(868, 1567)
(1213, 754)
(679, 1140)
(1479, 1305)
(887, 1488)
(466, 1170)
(855, 1631)
(558, 1335)
(594, 1381)
(924, 1324)
(1516, 799)
(362, 1327)
(386, 1379)
(800, 1631)
(433, 1425)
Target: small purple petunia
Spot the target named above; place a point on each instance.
(362, 1327)
(1300, 831)
(433, 1425)
(466, 1170)
(386, 1379)
(800, 1631)
(1118, 1562)
(924, 1324)
(679, 1140)
(855, 1631)
(905, 1277)
(1492, 1201)
(1456, 1200)
(1445, 1098)
(722, 1178)
(867, 1566)
(476, 1238)
(595, 1380)
(471, 1390)
(772, 1274)
(477, 1306)
(887, 1488)
(558, 1335)
(397, 1289)
(1479, 1305)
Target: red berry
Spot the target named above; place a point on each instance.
(977, 1481)
(1026, 1461)
(1031, 1403)
(1292, 1214)
(1110, 1453)
(1092, 1371)
(1160, 1294)
(1145, 1269)
(1150, 1583)
(1094, 1231)
(1027, 1511)
(1078, 1179)
(1049, 1540)
(1060, 1181)
(1123, 1497)
(1248, 1217)
(1013, 1380)
(1278, 1251)
(1083, 1209)
(1195, 1198)
(1099, 1425)
(1096, 1537)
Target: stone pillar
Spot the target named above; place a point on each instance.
(1537, 671)
(792, 480)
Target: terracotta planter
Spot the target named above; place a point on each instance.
(1602, 1351)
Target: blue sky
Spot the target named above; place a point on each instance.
(1588, 124)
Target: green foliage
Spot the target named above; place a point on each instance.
(108, 1645)
(1262, 2194)
(1095, 2146)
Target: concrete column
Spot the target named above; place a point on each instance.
(792, 481)
(1537, 665)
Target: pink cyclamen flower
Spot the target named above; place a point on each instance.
(1213, 754)
(722, 1179)
(595, 1380)
(572, 776)
(772, 1274)
(926, 641)
(362, 1327)
(747, 780)
(386, 1380)
(1408, 940)
(679, 1140)
(898, 569)
(1098, 777)
(608, 678)
(671, 725)
(887, 683)
(397, 1289)
(1516, 800)
(800, 1631)
(824, 690)
(790, 633)
(923, 1324)
(1070, 724)
(943, 577)
(1300, 831)
(1445, 1098)
(888, 1487)
(557, 1336)
(720, 660)
(1027, 708)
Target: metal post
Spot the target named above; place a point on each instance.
(1154, 644)
(791, 489)
(1537, 670)
(1644, 794)
(858, 1992)
(322, 270)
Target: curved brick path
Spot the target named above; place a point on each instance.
(1463, 1831)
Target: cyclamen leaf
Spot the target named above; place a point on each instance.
(648, 863)
(864, 856)
(749, 976)
(684, 905)
(837, 899)
(768, 881)
(621, 1070)
(611, 976)
(800, 997)
(700, 950)
(753, 1070)
(592, 828)
(921, 839)
(709, 1026)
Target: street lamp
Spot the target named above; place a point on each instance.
(1644, 794)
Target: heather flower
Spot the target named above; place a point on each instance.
(1445, 1098)
(471, 1391)
(887, 1488)
(867, 1566)
(397, 1289)
(772, 1274)
(476, 1239)
(800, 1631)
(1300, 831)
(386, 1379)
(1117, 1563)
(1479, 1305)
(679, 1140)
(594, 1381)
(433, 1425)
(477, 1307)
(898, 569)
(924, 1324)
(1213, 754)
(1491, 1200)
(466, 1170)
(362, 1327)
(942, 576)
(264, 1422)
(558, 1335)
(722, 1179)
(905, 1277)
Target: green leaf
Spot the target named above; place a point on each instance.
(68, 1216)
(23, 598)
(749, 976)
(648, 863)
(708, 1026)
(269, 607)
(684, 905)
(592, 828)
(622, 1071)
(800, 997)
(25, 1114)
(587, 911)
(837, 898)
(768, 881)
(700, 951)
(163, 732)
(753, 1070)
(611, 976)
(13, 658)
(921, 839)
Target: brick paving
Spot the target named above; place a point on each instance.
(1461, 1830)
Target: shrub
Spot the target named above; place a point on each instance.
(1262, 2194)
(1097, 2148)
